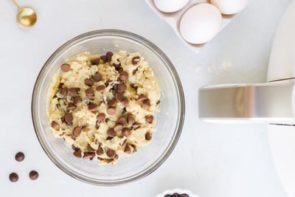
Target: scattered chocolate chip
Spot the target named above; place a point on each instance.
(111, 111)
(149, 119)
(88, 82)
(126, 132)
(158, 102)
(117, 66)
(90, 149)
(125, 101)
(141, 98)
(148, 136)
(103, 58)
(107, 83)
(100, 117)
(122, 120)
(65, 67)
(109, 138)
(97, 77)
(146, 103)
(134, 86)
(135, 60)
(33, 175)
(123, 76)
(127, 149)
(73, 91)
(63, 91)
(77, 153)
(119, 96)
(76, 100)
(135, 126)
(111, 132)
(13, 177)
(112, 102)
(92, 106)
(71, 106)
(20, 156)
(89, 155)
(121, 87)
(109, 56)
(77, 131)
(95, 61)
(55, 125)
(99, 151)
(130, 119)
(68, 118)
(89, 93)
(118, 127)
(111, 153)
(100, 88)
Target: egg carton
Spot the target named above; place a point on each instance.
(173, 19)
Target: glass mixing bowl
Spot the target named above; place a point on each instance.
(169, 119)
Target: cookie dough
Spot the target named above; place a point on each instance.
(104, 105)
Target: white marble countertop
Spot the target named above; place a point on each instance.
(211, 160)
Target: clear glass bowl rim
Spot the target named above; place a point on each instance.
(156, 50)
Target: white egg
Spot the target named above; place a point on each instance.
(230, 6)
(169, 6)
(200, 23)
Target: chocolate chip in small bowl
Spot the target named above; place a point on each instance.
(34, 175)
(13, 177)
(20, 156)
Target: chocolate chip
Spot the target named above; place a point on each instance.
(119, 96)
(77, 131)
(109, 138)
(100, 117)
(77, 153)
(158, 102)
(118, 127)
(100, 88)
(117, 66)
(146, 103)
(90, 149)
(141, 98)
(134, 71)
(99, 151)
(65, 67)
(135, 60)
(55, 125)
(92, 106)
(103, 58)
(89, 155)
(73, 91)
(112, 102)
(127, 149)
(122, 120)
(148, 136)
(88, 82)
(68, 118)
(13, 177)
(20, 156)
(63, 91)
(109, 56)
(76, 100)
(121, 87)
(107, 83)
(34, 175)
(111, 110)
(149, 119)
(89, 93)
(111, 132)
(95, 61)
(111, 153)
(71, 106)
(125, 101)
(97, 77)
(123, 76)
(130, 119)
(126, 132)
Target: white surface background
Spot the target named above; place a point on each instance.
(211, 160)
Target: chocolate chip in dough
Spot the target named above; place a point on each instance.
(55, 125)
(99, 150)
(130, 119)
(100, 88)
(73, 91)
(76, 100)
(111, 153)
(111, 132)
(68, 118)
(148, 136)
(89, 93)
(112, 102)
(88, 82)
(109, 56)
(89, 155)
(121, 87)
(111, 111)
(77, 131)
(100, 117)
(117, 66)
(92, 106)
(33, 175)
(135, 60)
(127, 149)
(103, 58)
(149, 119)
(13, 177)
(97, 77)
(118, 127)
(125, 101)
(123, 76)
(71, 106)
(65, 67)
(63, 91)
(126, 132)
(122, 120)
(77, 153)
(95, 61)
(20, 156)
